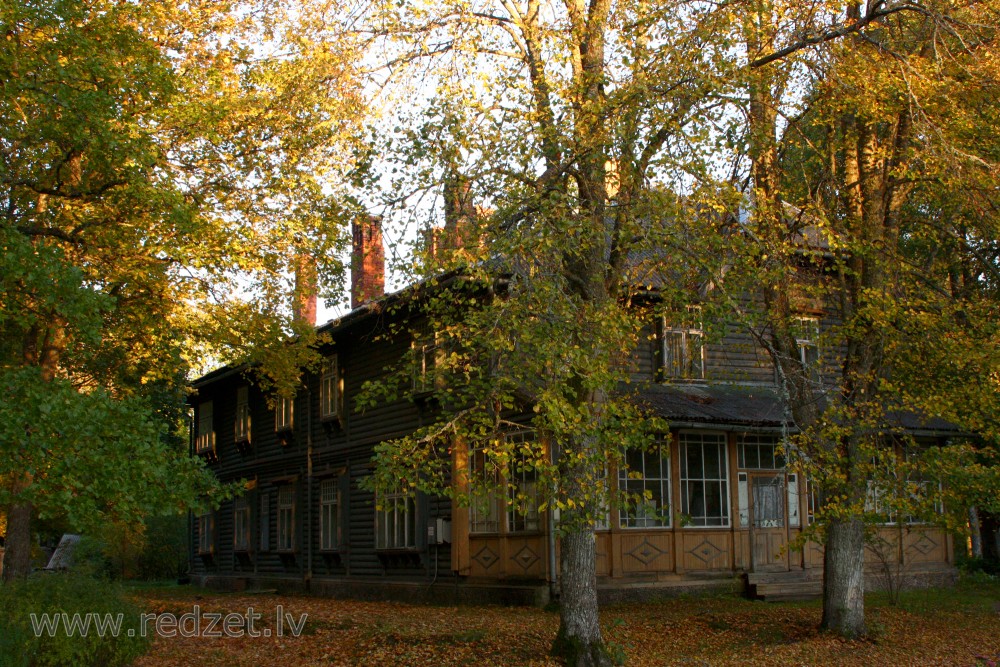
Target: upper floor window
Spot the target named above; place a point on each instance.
(284, 413)
(330, 389)
(806, 330)
(683, 346)
(243, 414)
(205, 434)
(425, 350)
(645, 480)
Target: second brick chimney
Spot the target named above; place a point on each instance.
(306, 287)
(367, 260)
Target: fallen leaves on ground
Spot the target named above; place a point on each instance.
(942, 628)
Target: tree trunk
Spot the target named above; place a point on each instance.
(579, 641)
(17, 558)
(844, 579)
(975, 534)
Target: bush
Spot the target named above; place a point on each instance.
(155, 550)
(66, 594)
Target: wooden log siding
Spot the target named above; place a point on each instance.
(342, 449)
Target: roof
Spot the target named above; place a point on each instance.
(757, 406)
(356, 315)
(695, 405)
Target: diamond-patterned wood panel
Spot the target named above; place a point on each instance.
(647, 552)
(706, 551)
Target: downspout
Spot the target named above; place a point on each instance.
(190, 514)
(309, 478)
(550, 539)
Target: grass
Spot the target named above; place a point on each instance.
(929, 627)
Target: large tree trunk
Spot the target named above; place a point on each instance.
(17, 558)
(579, 641)
(975, 534)
(843, 578)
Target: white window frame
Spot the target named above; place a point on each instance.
(484, 503)
(395, 522)
(329, 515)
(243, 414)
(646, 476)
(687, 480)
(807, 330)
(286, 518)
(284, 413)
(330, 389)
(241, 523)
(682, 348)
(523, 494)
(425, 350)
(205, 435)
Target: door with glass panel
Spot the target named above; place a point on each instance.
(768, 522)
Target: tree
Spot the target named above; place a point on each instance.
(861, 117)
(158, 176)
(559, 118)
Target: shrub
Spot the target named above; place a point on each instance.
(66, 594)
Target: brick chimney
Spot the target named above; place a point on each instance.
(306, 288)
(459, 212)
(367, 260)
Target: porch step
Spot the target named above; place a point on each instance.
(783, 586)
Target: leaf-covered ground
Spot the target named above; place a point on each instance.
(942, 627)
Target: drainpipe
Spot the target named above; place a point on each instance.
(190, 514)
(551, 538)
(309, 479)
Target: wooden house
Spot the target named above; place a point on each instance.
(305, 523)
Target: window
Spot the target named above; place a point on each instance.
(286, 518)
(876, 502)
(758, 452)
(329, 526)
(683, 350)
(284, 413)
(206, 533)
(241, 524)
(522, 509)
(205, 437)
(923, 493)
(329, 389)
(645, 478)
(395, 522)
(243, 414)
(484, 501)
(806, 330)
(264, 519)
(425, 351)
(704, 479)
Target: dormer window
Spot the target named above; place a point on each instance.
(204, 441)
(330, 389)
(683, 346)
